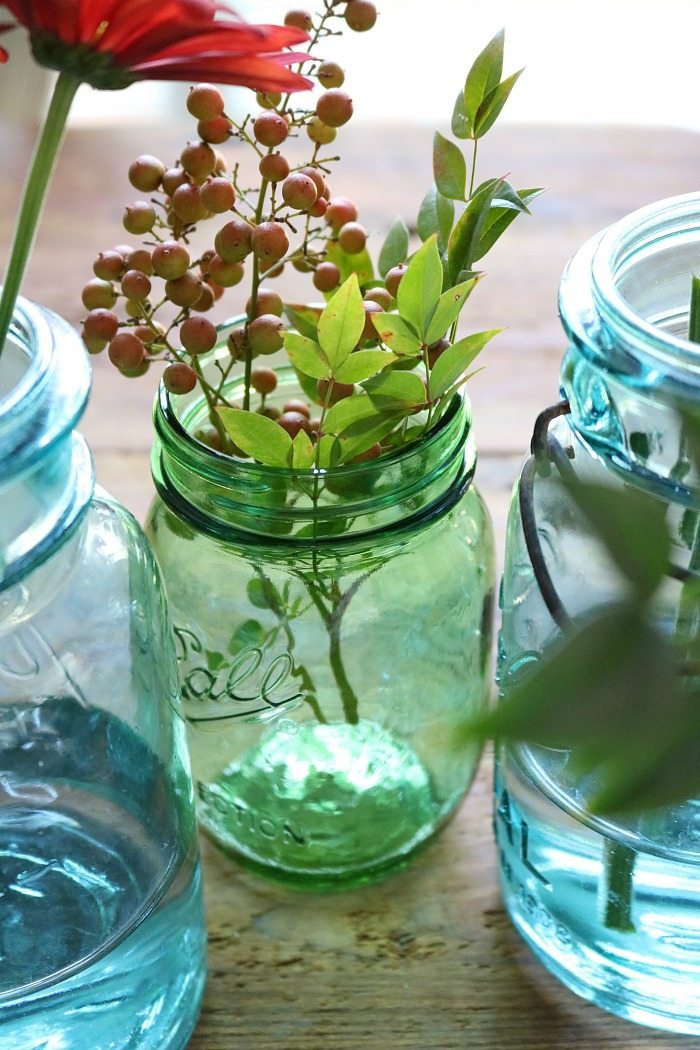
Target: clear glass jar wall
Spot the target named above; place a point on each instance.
(333, 635)
(611, 907)
(102, 927)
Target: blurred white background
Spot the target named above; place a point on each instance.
(588, 61)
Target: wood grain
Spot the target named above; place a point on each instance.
(428, 958)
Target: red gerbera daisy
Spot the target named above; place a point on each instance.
(112, 43)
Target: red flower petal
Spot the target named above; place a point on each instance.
(262, 72)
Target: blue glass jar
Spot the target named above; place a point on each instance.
(611, 907)
(101, 925)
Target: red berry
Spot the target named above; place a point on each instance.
(126, 351)
(146, 172)
(170, 260)
(352, 238)
(173, 178)
(296, 405)
(360, 15)
(299, 19)
(179, 378)
(270, 129)
(187, 204)
(393, 278)
(197, 335)
(97, 293)
(266, 334)
(369, 331)
(370, 453)
(109, 266)
(379, 295)
(216, 130)
(326, 277)
(334, 108)
(264, 380)
(317, 178)
(341, 210)
(140, 259)
(233, 240)
(293, 422)
(205, 102)
(198, 159)
(101, 324)
(299, 191)
(206, 299)
(274, 167)
(185, 290)
(338, 391)
(269, 241)
(136, 285)
(319, 208)
(217, 195)
(224, 273)
(268, 302)
(436, 350)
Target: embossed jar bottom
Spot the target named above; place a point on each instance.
(333, 635)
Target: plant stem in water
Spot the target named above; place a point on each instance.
(618, 886)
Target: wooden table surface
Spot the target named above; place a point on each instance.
(427, 959)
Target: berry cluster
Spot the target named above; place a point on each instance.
(165, 290)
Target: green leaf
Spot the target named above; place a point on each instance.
(257, 436)
(366, 433)
(396, 389)
(360, 264)
(461, 125)
(484, 75)
(304, 319)
(421, 287)
(491, 107)
(449, 168)
(363, 364)
(263, 595)
(464, 241)
(302, 454)
(250, 634)
(456, 359)
(633, 528)
(214, 660)
(436, 215)
(329, 451)
(306, 356)
(448, 309)
(499, 219)
(346, 412)
(341, 323)
(397, 334)
(395, 247)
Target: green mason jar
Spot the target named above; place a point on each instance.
(333, 631)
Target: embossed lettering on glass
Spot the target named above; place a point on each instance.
(101, 926)
(333, 635)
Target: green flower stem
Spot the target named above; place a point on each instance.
(41, 169)
(618, 886)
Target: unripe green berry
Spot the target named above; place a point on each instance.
(147, 334)
(108, 266)
(378, 295)
(217, 195)
(340, 210)
(173, 178)
(135, 285)
(224, 273)
(330, 75)
(334, 108)
(97, 293)
(197, 335)
(352, 238)
(267, 302)
(133, 308)
(303, 264)
(179, 378)
(126, 351)
(205, 102)
(233, 240)
(198, 159)
(270, 129)
(146, 172)
(268, 99)
(215, 131)
(266, 334)
(101, 324)
(274, 167)
(360, 15)
(299, 191)
(187, 204)
(319, 132)
(139, 217)
(393, 278)
(93, 345)
(293, 423)
(269, 241)
(170, 260)
(185, 290)
(326, 277)
(264, 380)
(299, 19)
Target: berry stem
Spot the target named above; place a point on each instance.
(41, 169)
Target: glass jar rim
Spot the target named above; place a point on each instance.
(31, 324)
(616, 246)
